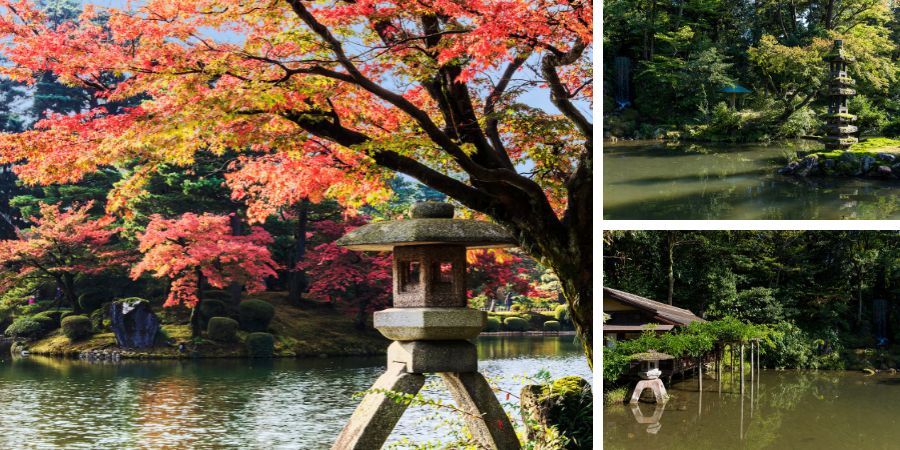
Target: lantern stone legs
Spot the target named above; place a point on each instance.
(655, 385)
(456, 362)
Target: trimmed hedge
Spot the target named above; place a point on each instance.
(77, 327)
(551, 325)
(55, 315)
(255, 315)
(492, 324)
(516, 324)
(260, 345)
(25, 328)
(212, 308)
(90, 302)
(222, 329)
(562, 314)
(47, 323)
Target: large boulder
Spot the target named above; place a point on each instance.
(566, 404)
(134, 323)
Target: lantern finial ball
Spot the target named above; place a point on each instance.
(431, 210)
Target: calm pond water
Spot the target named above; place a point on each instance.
(786, 410)
(55, 403)
(653, 180)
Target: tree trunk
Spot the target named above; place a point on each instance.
(670, 247)
(196, 328)
(578, 289)
(234, 289)
(68, 287)
(297, 283)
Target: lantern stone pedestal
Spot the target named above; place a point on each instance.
(656, 386)
(430, 325)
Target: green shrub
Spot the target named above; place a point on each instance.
(551, 325)
(25, 328)
(55, 315)
(217, 294)
(97, 319)
(516, 324)
(90, 302)
(492, 324)
(77, 327)
(222, 329)
(562, 314)
(260, 345)
(255, 315)
(47, 323)
(210, 309)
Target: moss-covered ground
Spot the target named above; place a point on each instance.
(306, 330)
(873, 158)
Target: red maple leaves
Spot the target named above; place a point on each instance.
(61, 244)
(195, 246)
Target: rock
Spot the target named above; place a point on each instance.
(867, 163)
(789, 169)
(134, 323)
(808, 166)
(567, 403)
(886, 157)
(884, 172)
(829, 163)
(18, 348)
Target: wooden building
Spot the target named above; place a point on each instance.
(630, 314)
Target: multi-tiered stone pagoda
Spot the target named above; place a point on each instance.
(839, 129)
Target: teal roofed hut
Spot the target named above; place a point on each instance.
(733, 90)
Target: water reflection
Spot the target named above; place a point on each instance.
(777, 410)
(659, 181)
(54, 403)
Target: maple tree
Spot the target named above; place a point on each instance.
(429, 88)
(194, 249)
(340, 275)
(59, 246)
(488, 271)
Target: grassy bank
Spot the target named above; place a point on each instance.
(300, 331)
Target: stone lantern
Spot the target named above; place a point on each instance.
(429, 323)
(649, 374)
(839, 126)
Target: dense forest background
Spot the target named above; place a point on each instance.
(839, 288)
(666, 61)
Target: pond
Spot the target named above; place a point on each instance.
(796, 410)
(655, 180)
(285, 403)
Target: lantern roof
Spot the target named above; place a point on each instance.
(431, 223)
(651, 355)
(837, 53)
